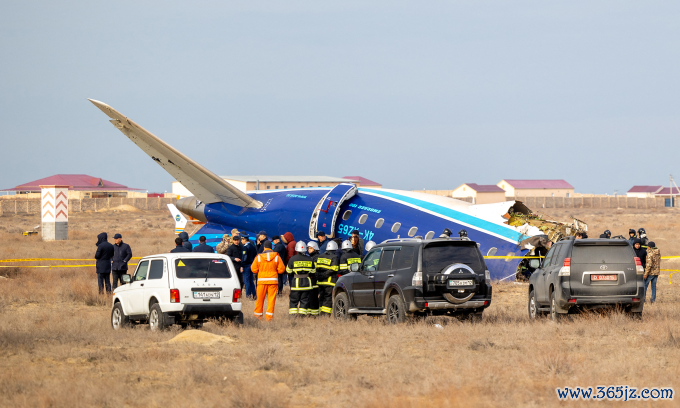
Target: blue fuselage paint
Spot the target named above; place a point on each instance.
(291, 211)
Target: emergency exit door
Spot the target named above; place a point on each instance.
(327, 211)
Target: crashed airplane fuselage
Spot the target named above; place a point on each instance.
(378, 214)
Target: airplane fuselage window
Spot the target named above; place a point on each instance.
(285, 186)
(268, 187)
(346, 215)
(379, 222)
(363, 218)
(412, 231)
(277, 187)
(396, 226)
(429, 235)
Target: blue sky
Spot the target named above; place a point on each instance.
(410, 94)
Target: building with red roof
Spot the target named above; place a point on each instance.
(363, 182)
(643, 191)
(81, 186)
(536, 188)
(480, 193)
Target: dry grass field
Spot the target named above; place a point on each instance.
(57, 347)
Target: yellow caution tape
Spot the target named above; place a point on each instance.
(513, 257)
(49, 259)
(49, 266)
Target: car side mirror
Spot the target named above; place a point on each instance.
(535, 263)
(126, 278)
(354, 267)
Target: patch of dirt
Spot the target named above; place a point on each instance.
(123, 207)
(199, 337)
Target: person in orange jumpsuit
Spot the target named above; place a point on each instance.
(268, 266)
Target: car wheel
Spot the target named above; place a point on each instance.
(533, 306)
(635, 315)
(238, 319)
(118, 318)
(341, 307)
(156, 318)
(554, 316)
(396, 312)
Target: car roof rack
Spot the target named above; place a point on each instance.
(402, 240)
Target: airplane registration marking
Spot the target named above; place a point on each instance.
(345, 229)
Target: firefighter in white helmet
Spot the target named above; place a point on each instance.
(326, 276)
(313, 251)
(302, 267)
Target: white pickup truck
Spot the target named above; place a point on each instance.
(179, 288)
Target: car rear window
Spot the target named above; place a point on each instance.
(438, 256)
(597, 254)
(202, 268)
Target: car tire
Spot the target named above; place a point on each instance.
(554, 316)
(118, 318)
(238, 319)
(341, 307)
(533, 306)
(635, 315)
(156, 318)
(396, 311)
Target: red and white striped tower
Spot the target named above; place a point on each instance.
(54, 212)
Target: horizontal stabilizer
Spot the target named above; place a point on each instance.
(203, 184)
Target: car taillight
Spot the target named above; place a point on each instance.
(174, 295)
(572, 300)
(487, 276)
(417, 279)
(638, 267)
(236, 296)
(565, 270)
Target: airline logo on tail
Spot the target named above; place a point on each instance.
(180, 220)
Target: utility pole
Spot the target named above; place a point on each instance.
(672, 194)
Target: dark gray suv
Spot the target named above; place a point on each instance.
(586, 274)
(404, 278)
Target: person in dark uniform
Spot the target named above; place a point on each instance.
(122, 253)
(300, 266)
(178, 246)
(185, 240)
(349, 257)
(313, 251)
(248, 254)
(203, 247)
(234, 252)
(327, 265)
(104, 255)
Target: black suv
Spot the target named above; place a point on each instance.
(586, 274)
(405, 278)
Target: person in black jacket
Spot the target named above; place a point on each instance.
(249, 252)
(103, 256)
(280, 249)
(234, 252)
(185, 241)
(178, 246)
(640, 252)
(261, 239)
(122, 253)
(203, 247)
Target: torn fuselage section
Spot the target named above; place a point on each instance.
(540, 233)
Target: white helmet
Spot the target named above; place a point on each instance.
(369, 245)
(332, 246)
(346, 244)
(300, 247)
(313, 244)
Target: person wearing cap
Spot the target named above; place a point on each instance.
(203, 247)
(300, 266)
(323, 241)
(122, 253)
(313, 252)
(249, 253)
(633, 236)
(280, 249)
(261, 239)
(267, 265)
(234, 252)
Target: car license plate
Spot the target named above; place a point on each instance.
(603, 277)
(467, 282)
(206, 295)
